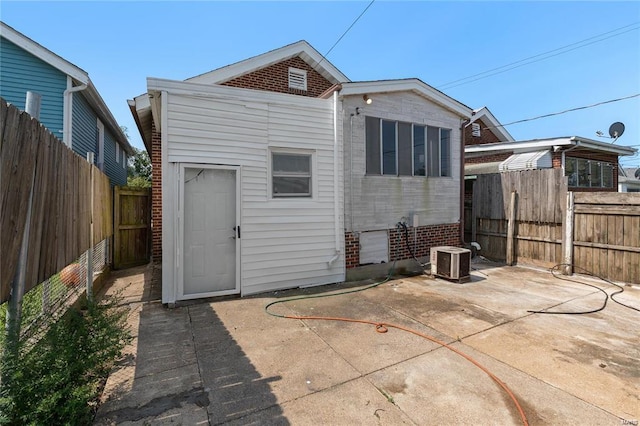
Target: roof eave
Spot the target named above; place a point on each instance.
(300, 48)
(538, 144)
(137, 107)
(107, 117)
(501, 131)
(412, 84)
(43, 53)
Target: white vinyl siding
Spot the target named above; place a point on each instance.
(286, 242)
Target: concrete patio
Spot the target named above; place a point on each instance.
(225, 361)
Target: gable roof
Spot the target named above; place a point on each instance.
(551, 143)
(301, 48)
(79, 76)
(492, 123)
(409, 84)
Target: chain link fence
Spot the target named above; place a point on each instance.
(49, 300)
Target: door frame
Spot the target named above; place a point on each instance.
(180, 255)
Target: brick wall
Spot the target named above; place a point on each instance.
(352, 249)
(156, 196)
(275, 78)
(489, 158)
(486, 135)
(427, 236)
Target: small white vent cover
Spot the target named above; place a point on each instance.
(475, 130)
(297, 79)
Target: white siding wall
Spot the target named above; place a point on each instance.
(379, 202)
(285, 243)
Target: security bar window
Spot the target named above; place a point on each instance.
(404, 149)
(291, 175)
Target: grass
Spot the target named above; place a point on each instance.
(58, 379)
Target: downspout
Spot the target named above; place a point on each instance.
(68, 112)
(577, 145)
(351, 173)
(336, 191)
(463, 126)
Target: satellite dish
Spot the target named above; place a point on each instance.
(616, 130)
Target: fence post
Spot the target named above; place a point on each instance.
(14, 305)
(511, 225)
(90, 157)
(567, 238)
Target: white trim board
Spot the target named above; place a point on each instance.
(43, 53)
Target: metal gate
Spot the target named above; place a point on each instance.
(132, 227)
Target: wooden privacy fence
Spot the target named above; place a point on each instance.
(537, 223)
(33, 162)
(530, 217)
(606, 235)
(132, 229)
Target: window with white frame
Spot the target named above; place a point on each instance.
(291, 174)
(398, 148)
(583, 173)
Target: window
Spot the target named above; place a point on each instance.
(291, 174)
(389, 147)
(117, 153)
(404, 149)
(297, 79)
(583, 173)
(419, 154)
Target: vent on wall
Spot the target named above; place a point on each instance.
(475, 130)
(297, 79)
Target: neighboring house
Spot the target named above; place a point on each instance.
(71, 107)
(484, 128)
(588, 164)
(629, 179)
(278, 172)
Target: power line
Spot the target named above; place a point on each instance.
(565, 111)
(542, 56)
(346, 31)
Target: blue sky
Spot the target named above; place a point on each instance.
(121, 43)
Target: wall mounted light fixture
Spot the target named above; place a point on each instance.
(367, 99)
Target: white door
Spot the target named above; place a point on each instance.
(210, 232)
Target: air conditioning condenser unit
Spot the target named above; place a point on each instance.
(451, 263)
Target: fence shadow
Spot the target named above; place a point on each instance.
(183, 366)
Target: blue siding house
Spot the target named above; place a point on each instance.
(71, 108)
